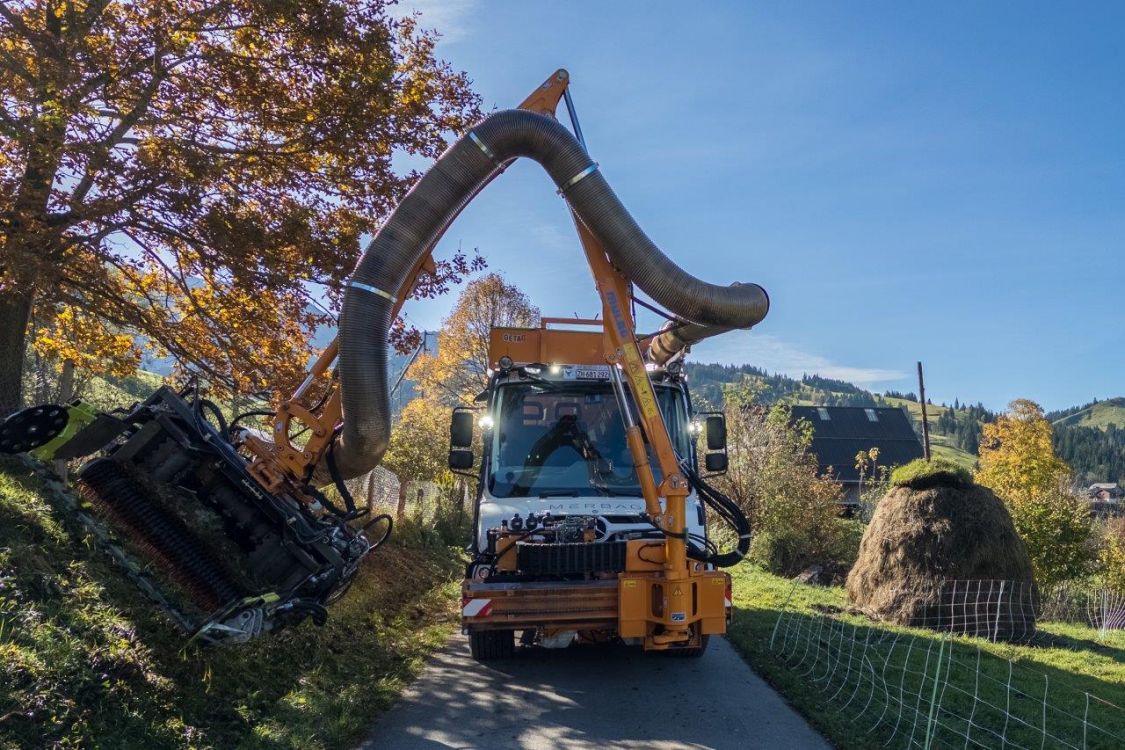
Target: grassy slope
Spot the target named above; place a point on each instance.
(942, 445)
(86, 662)
(1074, 660)
(1100, 415)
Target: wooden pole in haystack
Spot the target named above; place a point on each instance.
(925, 418)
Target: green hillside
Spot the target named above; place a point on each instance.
(1099, 414)
(709, 380)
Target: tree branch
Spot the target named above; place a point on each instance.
(16, 22)
(117, 135)
(16, 66)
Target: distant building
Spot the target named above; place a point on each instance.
(1106, 492)
(840, 432)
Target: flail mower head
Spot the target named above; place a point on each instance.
(232, 559)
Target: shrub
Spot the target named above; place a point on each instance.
(788, 551)
(1113, 555)
(773, 478)
(1059, 535)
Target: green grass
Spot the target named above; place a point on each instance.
(107, 393)
(86, 662)
(1072, 657)
(921, 473)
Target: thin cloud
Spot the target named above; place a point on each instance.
(775, 355)
(450, 17)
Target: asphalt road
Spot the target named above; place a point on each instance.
(590, 697)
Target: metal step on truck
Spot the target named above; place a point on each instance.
(565, 547)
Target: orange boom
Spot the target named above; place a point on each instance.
(591, 507)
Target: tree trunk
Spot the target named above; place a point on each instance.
(15, 312)
(28, 242)
(66, 392)
(400, 511)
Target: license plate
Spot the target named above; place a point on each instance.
(591, 373)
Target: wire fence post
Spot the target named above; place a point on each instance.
(930, 726)
(1104, 630)
(996, 626)
(1046, 687)
(1085, 720)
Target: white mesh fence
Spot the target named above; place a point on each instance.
(994, 609)
(1100, 608)
(378, 488)
(906, 691)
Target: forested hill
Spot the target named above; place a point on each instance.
(708, 380)
(1090, 437)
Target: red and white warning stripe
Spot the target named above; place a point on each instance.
(476, 607)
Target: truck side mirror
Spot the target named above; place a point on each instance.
(461, 459)
(716, 463)
(461, 440)
(461, 429)
(716, 432)
(715, 458)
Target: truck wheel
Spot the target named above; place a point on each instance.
(693, 652)
(486, 645)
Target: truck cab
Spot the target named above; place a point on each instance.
(560, 515)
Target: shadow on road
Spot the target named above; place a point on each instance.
(587, 697)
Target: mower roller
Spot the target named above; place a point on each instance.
(238, 560)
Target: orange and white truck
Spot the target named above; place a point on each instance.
(567, 547)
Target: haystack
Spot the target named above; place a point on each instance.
(934, 527)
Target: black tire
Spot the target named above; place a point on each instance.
(487, 645)
(692, 652)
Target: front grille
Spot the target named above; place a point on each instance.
(570, 558)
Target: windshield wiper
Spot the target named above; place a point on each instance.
(607, 492)
(559, 493)
(530, 378)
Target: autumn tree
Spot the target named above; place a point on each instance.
(1017, 459)
(419, 444)
(69, 347)
(459, 370)
(185, 169)
(1018, 462)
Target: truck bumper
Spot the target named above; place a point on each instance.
(633, 605)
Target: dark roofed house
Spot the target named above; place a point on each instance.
(840, 432)
(1107, 500)
(1106, 492)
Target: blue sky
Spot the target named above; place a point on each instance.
(944, 183)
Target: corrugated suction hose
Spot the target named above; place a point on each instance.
(420, 220)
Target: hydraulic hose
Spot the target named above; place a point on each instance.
(421, 218)
(731, 514)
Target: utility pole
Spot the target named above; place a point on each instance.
(925, 418)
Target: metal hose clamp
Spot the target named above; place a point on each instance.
(578, 177)
(480, 144)
(374, 290)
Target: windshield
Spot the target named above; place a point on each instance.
(569, 439)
